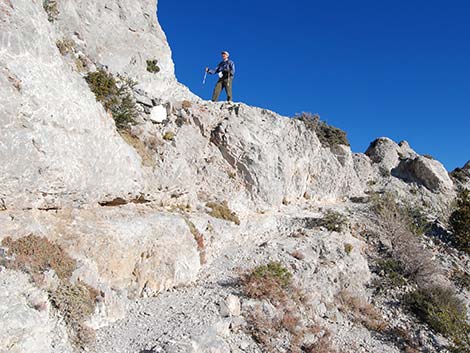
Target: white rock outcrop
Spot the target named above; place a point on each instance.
(28, 324)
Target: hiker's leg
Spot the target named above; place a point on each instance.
(217, 90)
(228, 88)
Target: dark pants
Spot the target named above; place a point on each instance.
(224, 82)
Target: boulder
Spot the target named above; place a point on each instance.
(425, 171)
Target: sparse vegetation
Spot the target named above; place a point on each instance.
(394, 222)
(169, 136)
(444, 312)
(460, 222)
(348, 248)
(65, 46)
(362, 311)
(186, 104)
(222, 211)
(152, 66)
(76, 302)
(393, 270)
(199, 238)
(461, 279)
(328, 135)
(52, 10)
(35, 255)
(147, 159)
(289, 326)
(271, 281)
(115, 95)
(334, 221)
(460, 174)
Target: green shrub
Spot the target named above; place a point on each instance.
(444, 312)
(460, 221)
(169, 136)
(115, 95)
(152, 66)
(222, 211)
(461, 175)
(393, 270)
(50, 6)
(328, 135)
(348, 248)
(271, 281)
(461, 279)
(333, 221)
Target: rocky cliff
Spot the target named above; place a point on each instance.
(186, 198)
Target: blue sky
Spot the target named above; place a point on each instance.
(373, 68)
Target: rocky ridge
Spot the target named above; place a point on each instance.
(132, 206)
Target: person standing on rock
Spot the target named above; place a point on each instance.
(226, 71)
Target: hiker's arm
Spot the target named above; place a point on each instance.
(214, 71)
(232, 68)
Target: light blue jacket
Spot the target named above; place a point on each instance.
(226, 67)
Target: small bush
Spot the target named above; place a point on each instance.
(169, 136)
(334, 221)
(444, 312)
(328, 135)
(35, 255)
(362, 312)
(222, 211)
(348, 248)
(460, 222)
(76, 303)
(393, 270)
(272, 282)
(287, 328)
(105, 88)
(152, 66)
(65, 46)
(52, 10)
(394, 222)
(115, 95)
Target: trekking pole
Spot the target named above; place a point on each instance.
(204, 81)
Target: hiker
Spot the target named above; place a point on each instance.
(226, 71)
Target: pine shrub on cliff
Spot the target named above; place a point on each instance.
(328, 135)
(460, 222)
(115, 95)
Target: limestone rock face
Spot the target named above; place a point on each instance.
(274, 159)
(129, 36)
(387, 153)
(57, 144)
(425, 171)
(132, 250)
(28, 325)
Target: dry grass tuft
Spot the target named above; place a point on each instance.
(147, 159)
(362, 311)
(222, 211)
(35, 255)
(199, 238)
(76, 302)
